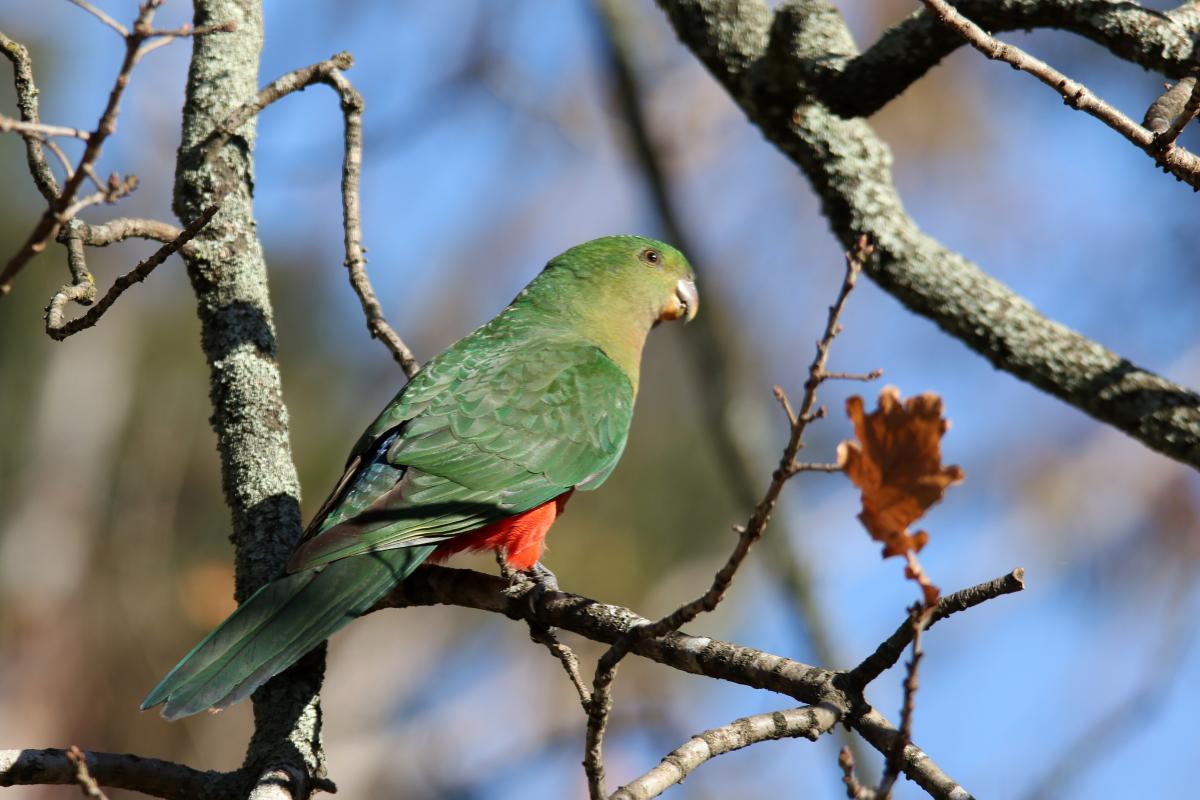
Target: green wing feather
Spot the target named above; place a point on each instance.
(485, 440)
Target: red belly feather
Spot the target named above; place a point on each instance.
(520, 537)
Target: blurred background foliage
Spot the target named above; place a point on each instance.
(495, 139)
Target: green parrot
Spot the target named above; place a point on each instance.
(479, 451)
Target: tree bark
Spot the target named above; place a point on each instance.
(229, 276)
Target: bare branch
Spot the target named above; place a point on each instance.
(918, 622)
(545, 635)
(62, 207)
(809, 722)
(329, 73)
(854, 788)
(8, 124)
(1179, 162)
(105, 18)
(888, 652)
(917, 765)
(87, 784)
(83, 288)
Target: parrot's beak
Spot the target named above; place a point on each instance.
(684, 303)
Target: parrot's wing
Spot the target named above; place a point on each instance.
(490, 441)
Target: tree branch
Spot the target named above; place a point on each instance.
(27, 105)
(329, 72)
(1179, 162)
(119, 771)
(698, 655)
(861, 84)
(849, 167)
(829, 694)
(890, 650)
(809, 721)
(82, 289)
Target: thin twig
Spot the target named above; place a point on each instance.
(87, 784)
(545, 635)
(748, 534)
(1179, 162)
(162, 38)
(8, 124)
(889, 651)
(810, 722)
(329, 73)
(27, 104)
(854, 788)
(83, 289)
(919, 620)
(59, 209)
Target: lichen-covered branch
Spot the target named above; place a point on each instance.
(1179, 162)
(229, 276)
(831, 697)
(27, 105)
(861, 84)
(765, 63)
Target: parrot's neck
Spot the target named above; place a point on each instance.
(607, 323)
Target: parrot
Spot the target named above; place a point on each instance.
(479, 451)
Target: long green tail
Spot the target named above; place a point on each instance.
(278, 624)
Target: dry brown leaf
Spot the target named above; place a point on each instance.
(897, 464)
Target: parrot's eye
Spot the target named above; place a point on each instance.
(651, 257)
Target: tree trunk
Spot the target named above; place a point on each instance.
(229, 276)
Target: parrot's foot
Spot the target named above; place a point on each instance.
(531, 584)
(543, 578)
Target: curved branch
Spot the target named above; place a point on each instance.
(1164, 42)
(83, 287)
(1179, 162)
(27, 104)
(810, 722)
(849, 167)
(329, 72)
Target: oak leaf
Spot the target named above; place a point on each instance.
(897, 465)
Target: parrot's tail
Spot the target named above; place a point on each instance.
(278, 624)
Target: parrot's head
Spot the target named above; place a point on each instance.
(612, 291)
(627, 279)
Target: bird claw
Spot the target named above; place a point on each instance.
(532, 584)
